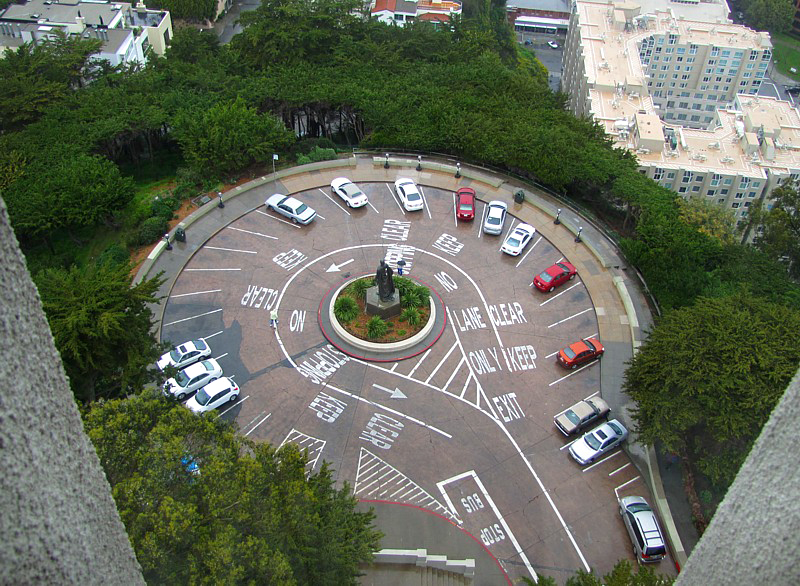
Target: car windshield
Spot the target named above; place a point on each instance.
(569, 352)
(616, 429)
(590, 345)
(200, 345)
(300, 209)
(572, 417)
(202, 397)
(593, 442)
(182, 379)
(493, 220)
(545, 277)
(512, 241)
(465, 207)
(638, 507)
(175, 355)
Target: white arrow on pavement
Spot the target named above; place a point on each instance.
(334, 267)
(395, 393)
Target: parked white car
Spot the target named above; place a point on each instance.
(518, 239)
(215, 394)
(192, 378)
(495, 217)
(597, 442)
(409, 194)
(291, 207)
(185, 354)
(349, 192)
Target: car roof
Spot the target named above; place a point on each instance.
(466, 191)
(340, 180)
(598, 402)
(219, 384)
(496, 203)
(579, 346)
(197, 368)
(582, 409)
(524, 228)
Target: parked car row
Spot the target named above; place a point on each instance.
(199, 377)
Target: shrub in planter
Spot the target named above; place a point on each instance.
(345, 309)
(411, 316)
(376, 327)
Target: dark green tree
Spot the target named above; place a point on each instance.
(781, 223)
(621, 575)
(707, 377)
(101, 324)
(204, 505)
(774, 16)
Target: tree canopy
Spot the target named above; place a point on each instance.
(101, 324)
(204, 505)
(781, 224)
(774, 16)
(707, 378)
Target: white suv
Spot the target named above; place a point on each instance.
(642, 526)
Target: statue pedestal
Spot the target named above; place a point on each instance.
(383, 309)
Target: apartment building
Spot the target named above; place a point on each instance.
(128, 33)
(682, 95)
(400, 12)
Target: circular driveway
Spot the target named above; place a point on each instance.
(464, 428)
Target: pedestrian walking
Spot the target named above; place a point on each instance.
(273, 318)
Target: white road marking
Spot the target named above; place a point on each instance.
(239, 402)
(455, 372)
(425, 201)
(395, 199)
(334, 267)
(229, 249)
(438, 366)
(565, 446)
(212, 335)
(466, 384)
(624, 484)
(558, 294)
(500, 517)
(333, 201)
(455, 205)
(483, 218)
(195, 293)
(206, 270)
(251, 232)
(395, 365)
(371, 481)
(585, 338)
(606, 459)
(570, 317)
(221, 356)
(177, 321)
(369, 203)
(393, 411)
(417, 365)
(394, 393)
(530, 248)
(304, 441)
(576, 371)
(619, 469)
(292, 224)
(592, 395)
(257, 424)
(510, 227)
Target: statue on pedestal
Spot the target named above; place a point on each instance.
(383, 278)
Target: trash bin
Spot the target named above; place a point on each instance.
(180, 234)
(519, 196)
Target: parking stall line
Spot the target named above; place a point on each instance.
(257, 424)
(417, 365)
(395, 199)
(253, 420)
(212, 335)
(570, 317)
(483, 219)
(209, 270)
(510, 228)
(455, 210)
(530, 249)
(221, 356)
(606, 459)
(253, 233)
(584, 338)
(334, 202)
(177, 321)
(624, 484)
(239, 402)
(230, 249)
(559, 294)
(619, 469)
(565, 446)
(195, 293)
(292, 224)
(592, 395)
(369, 203)
(425, 200)
(576, 371)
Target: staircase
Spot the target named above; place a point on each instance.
(414, 567)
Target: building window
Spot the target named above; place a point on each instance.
(739, 195)
(683, 105)
(681, 116)
(744, 183)
(723, 192)
(711, 192)
(671, 175)
(696, 188)
(735, 204)
(751, 194)
(686, 177)
(658, 174)
(715, 179)
(720, 201)
(682, 190)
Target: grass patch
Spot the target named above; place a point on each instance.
(786, 54)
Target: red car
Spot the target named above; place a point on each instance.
(580, 352)
(553, 276)
(466, 203)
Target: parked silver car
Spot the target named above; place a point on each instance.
(597, 442)
(642, 526)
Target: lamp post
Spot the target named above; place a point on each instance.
(578, 236)
(419, 162)
(558, 213)
(458, 170)
(274, 158)
(220, 203)
(166, 239)
(386, 162)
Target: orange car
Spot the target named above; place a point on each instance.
(580, 352)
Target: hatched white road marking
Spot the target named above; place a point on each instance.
(306, 442)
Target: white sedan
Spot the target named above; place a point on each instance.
(185, 354)
(518, 239)
(215, 394)
(495, 217)
(409, 194)
(349, 192)
(192, 378)
(292, 208)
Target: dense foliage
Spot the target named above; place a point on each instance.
(780, 238)
(774, 16)
(204, 505)
(621, 575)
(707, 378)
